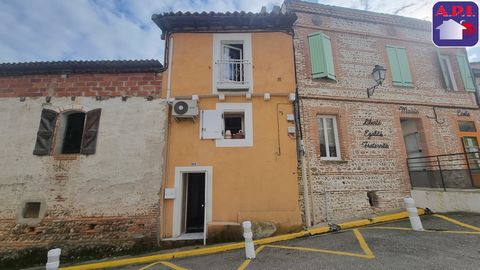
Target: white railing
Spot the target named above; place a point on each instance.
(232, 74)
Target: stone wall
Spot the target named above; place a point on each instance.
(338, 189)
(110, 198)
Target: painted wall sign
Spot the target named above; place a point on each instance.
(372, 122)
(373, 133)
(373, 145)
(463, 113)
(409, 110)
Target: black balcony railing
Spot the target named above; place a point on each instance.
(461, 170)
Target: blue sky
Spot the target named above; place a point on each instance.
(52, 30)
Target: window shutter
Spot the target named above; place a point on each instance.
(90, 132)
(465, 72)
(444, 69)
(212, 124)
(397, 57)
(394, 66)
(404, 68)
(321, 57)
(45, 132)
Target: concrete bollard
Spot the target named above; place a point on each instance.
(248, 235)
(53, 261)
(413, 214)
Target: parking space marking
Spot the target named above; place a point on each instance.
(168, 264)
(245, 263)
(368, 254)
(454, 221)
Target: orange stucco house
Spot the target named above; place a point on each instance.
(231, 157)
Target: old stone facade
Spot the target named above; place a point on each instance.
(368, 173)
(107, 198)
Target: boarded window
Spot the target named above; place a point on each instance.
(397, 57)
(45, 132)
(321, 56)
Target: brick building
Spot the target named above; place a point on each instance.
(82, 160)
(357, 146)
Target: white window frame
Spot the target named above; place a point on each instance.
(218, 41)
(246, 109)
(450, 72)
(335, 133)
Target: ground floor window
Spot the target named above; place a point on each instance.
(328, 136)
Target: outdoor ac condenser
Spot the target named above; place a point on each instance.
(184, 109)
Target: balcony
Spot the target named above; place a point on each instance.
(233, 74)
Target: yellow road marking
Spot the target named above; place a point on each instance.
(168, 264)
(173, 266)
(368, 254)
(150, 265)
(363, 243)
(245, 263)
(454, 221)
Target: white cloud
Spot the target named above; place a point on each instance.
(50, 30)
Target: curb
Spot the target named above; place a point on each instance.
(234, 246)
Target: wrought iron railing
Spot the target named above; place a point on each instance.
(461, 170)
(232, 74)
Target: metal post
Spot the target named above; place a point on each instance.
(53, 259)
(441, 174)
(415, 221)
(248, 235)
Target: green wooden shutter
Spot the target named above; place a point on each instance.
(321, 57)
(397, 57)
(394, 66)
(327, 49)
(465, 72)
(404, 68)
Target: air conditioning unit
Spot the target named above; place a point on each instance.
(185, 109)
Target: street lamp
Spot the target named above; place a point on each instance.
(378, 73)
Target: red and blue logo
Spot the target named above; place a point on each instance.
(455, 24)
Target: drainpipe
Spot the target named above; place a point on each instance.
(170, 53)
(162, 219)
(306, 200)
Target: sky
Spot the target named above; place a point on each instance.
(54, 30)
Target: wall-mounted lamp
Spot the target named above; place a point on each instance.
(378, 73)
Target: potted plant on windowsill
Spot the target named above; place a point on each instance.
(239, 135)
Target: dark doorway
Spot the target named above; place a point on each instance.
(72, 141)
(195, 202)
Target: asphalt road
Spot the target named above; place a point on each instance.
(447, 244)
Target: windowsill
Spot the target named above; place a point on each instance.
(66, 156)
(324, 79)
(333, 160)
(403, 86)
(234, 143)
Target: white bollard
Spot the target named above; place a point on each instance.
(53, 261)
(413, 214)
(248, 235)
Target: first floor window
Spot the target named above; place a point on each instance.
(234, 125)
(328, 135)
(71, 132)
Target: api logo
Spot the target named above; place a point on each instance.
(455, 24)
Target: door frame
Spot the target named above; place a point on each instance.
(177, 202)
